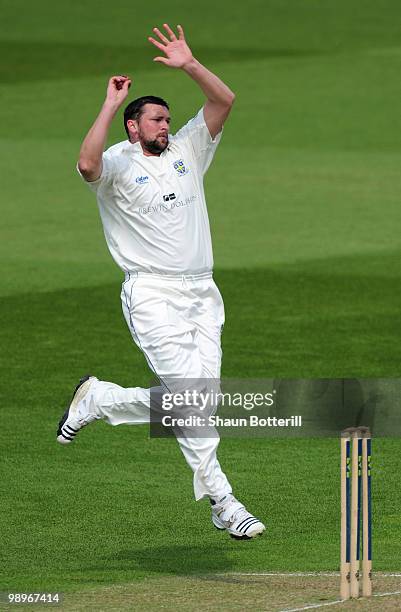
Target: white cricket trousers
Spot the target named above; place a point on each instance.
(176, 321)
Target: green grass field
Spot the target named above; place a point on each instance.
(304, 203)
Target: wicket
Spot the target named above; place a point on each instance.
(356, 452)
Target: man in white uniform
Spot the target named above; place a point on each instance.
(152, 204)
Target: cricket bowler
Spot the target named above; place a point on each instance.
(152, 204)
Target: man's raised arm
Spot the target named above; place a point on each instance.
(178, 55)
(90, 155)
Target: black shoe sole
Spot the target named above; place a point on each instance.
(235, 537)
(245, 537)
(65, 415)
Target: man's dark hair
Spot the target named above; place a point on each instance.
(135, 108)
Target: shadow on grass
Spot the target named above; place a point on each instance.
(175, 559)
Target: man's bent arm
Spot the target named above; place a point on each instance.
(220, 98)
(178, 55)
(90, 155)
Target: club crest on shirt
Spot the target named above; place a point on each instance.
(180, 167)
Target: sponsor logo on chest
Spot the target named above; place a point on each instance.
(142, 180)
(169, 196)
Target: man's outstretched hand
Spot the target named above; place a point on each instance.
(117, 90)
(177, 53)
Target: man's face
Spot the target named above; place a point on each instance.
(153, 128)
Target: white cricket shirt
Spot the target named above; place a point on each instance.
(153, 208)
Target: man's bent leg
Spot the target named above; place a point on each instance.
(93, 399)
(162, 329)
(209, 478)
(118, 405)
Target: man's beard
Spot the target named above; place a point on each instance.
(155, 146)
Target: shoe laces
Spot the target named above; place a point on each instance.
(240, 514)
(232, 511)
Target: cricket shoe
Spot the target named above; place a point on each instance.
(229, 514)
(80, 413)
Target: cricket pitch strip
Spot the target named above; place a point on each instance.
(269, 591)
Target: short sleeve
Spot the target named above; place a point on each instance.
(197, 134)
(107, 175)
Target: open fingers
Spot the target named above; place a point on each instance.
(181, 34)
(169, 32)
(161, 36)
(156, 43)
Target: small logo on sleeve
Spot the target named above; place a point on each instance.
(180, 167)
(142, 180)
